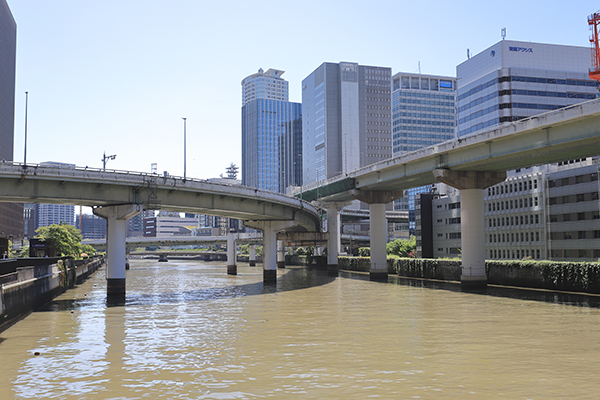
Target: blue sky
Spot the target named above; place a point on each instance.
(117, 76)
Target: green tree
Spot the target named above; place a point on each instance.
(66, 238)
(87, 249)
(402, 247)
(22, 253)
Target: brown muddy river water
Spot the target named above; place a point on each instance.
(190, 331)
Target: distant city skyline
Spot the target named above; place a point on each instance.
(102, 78)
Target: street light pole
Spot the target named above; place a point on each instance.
(184, 144)
(105, 158)
(25, 155)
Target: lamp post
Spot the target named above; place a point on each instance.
(25, 155)
(105, 159)
(184, 144)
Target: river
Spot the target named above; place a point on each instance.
(190, 331)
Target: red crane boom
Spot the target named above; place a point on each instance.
(593, 22)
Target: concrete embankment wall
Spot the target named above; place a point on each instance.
(28, 287)
(552, 275)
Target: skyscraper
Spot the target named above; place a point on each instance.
(271, 133)
(8, 49)
(423, 114)
(11, 214)
(512, 80)
(265, 85)
(346, 120)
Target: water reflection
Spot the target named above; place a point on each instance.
(189, 331)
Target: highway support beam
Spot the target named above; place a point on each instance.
(270, 229)
(231, 246)
(472, 222)
(116, 235)
(377, 200)
(334, 238)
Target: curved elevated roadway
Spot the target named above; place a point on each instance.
(118, 195)
(99, 188)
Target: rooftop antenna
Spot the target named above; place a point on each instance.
(468, 54)
(419, 67)
(503, 33)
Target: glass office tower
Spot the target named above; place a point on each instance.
(423, 114)
(271, 144)
(347, 119)
(271, 133)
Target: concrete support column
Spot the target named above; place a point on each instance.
(252, 256)
(231, 261)
(378, 243)
(116, 235)
(472, 221)
(280, 254)
(269, 254)
(270, 229)
(333, 236)
(377, 201)
(472, 237)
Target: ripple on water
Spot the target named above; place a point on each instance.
(189, 331)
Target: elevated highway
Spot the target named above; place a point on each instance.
(471, 164)
(568, 133)
(119, 195)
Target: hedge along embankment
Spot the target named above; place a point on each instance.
(552, 275)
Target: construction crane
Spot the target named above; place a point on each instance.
(593, 22)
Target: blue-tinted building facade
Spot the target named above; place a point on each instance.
(423, 114)
(271, 144)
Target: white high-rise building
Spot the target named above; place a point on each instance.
(265, 85)
(513, 80)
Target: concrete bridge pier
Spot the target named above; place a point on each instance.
(472, 223)
(231, 261)
(334, 239)
(270, 229)
(377, 201)
(116, 235)
(252, 256)
(280, 254)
